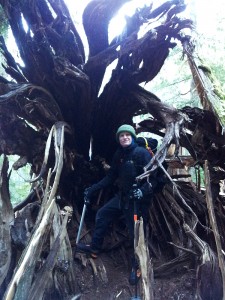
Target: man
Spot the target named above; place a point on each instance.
(127, 164)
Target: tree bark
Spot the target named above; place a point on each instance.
(54, 117)
(214, 226)
(6, 222)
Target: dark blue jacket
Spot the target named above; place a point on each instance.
(127, 164)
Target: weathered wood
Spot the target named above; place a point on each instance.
(204, 84)
(182, 162)
(6, 221)
(208, 276)
(180, 262)
(24, 223)
(44, 275)
(30, 257)
(22, 280)
(64, 275)
(214, 226)
(141, 250)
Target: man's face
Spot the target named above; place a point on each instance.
(125, 139)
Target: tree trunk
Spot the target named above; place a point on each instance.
(54, 117)
(6, 222)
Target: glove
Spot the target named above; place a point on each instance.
(86, 196)
(137, 194)
(88, 193)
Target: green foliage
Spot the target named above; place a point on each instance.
(211, 39)
(4, 25)
(212, 51)
(18, 187)
(173, 85)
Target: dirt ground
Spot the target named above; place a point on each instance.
(106, 278)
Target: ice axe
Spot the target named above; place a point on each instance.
(86, 203)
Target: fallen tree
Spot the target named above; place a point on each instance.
(50, 110)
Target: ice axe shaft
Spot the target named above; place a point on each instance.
(81, 222)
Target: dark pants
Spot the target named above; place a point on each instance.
(111, 212)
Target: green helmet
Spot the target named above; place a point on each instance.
(127, 128)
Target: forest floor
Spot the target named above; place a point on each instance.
(106, 278)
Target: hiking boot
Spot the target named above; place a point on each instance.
(86, 248)
(135, 275)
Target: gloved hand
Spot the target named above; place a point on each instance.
(88, 193)
(137, 194)
(86, 196)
